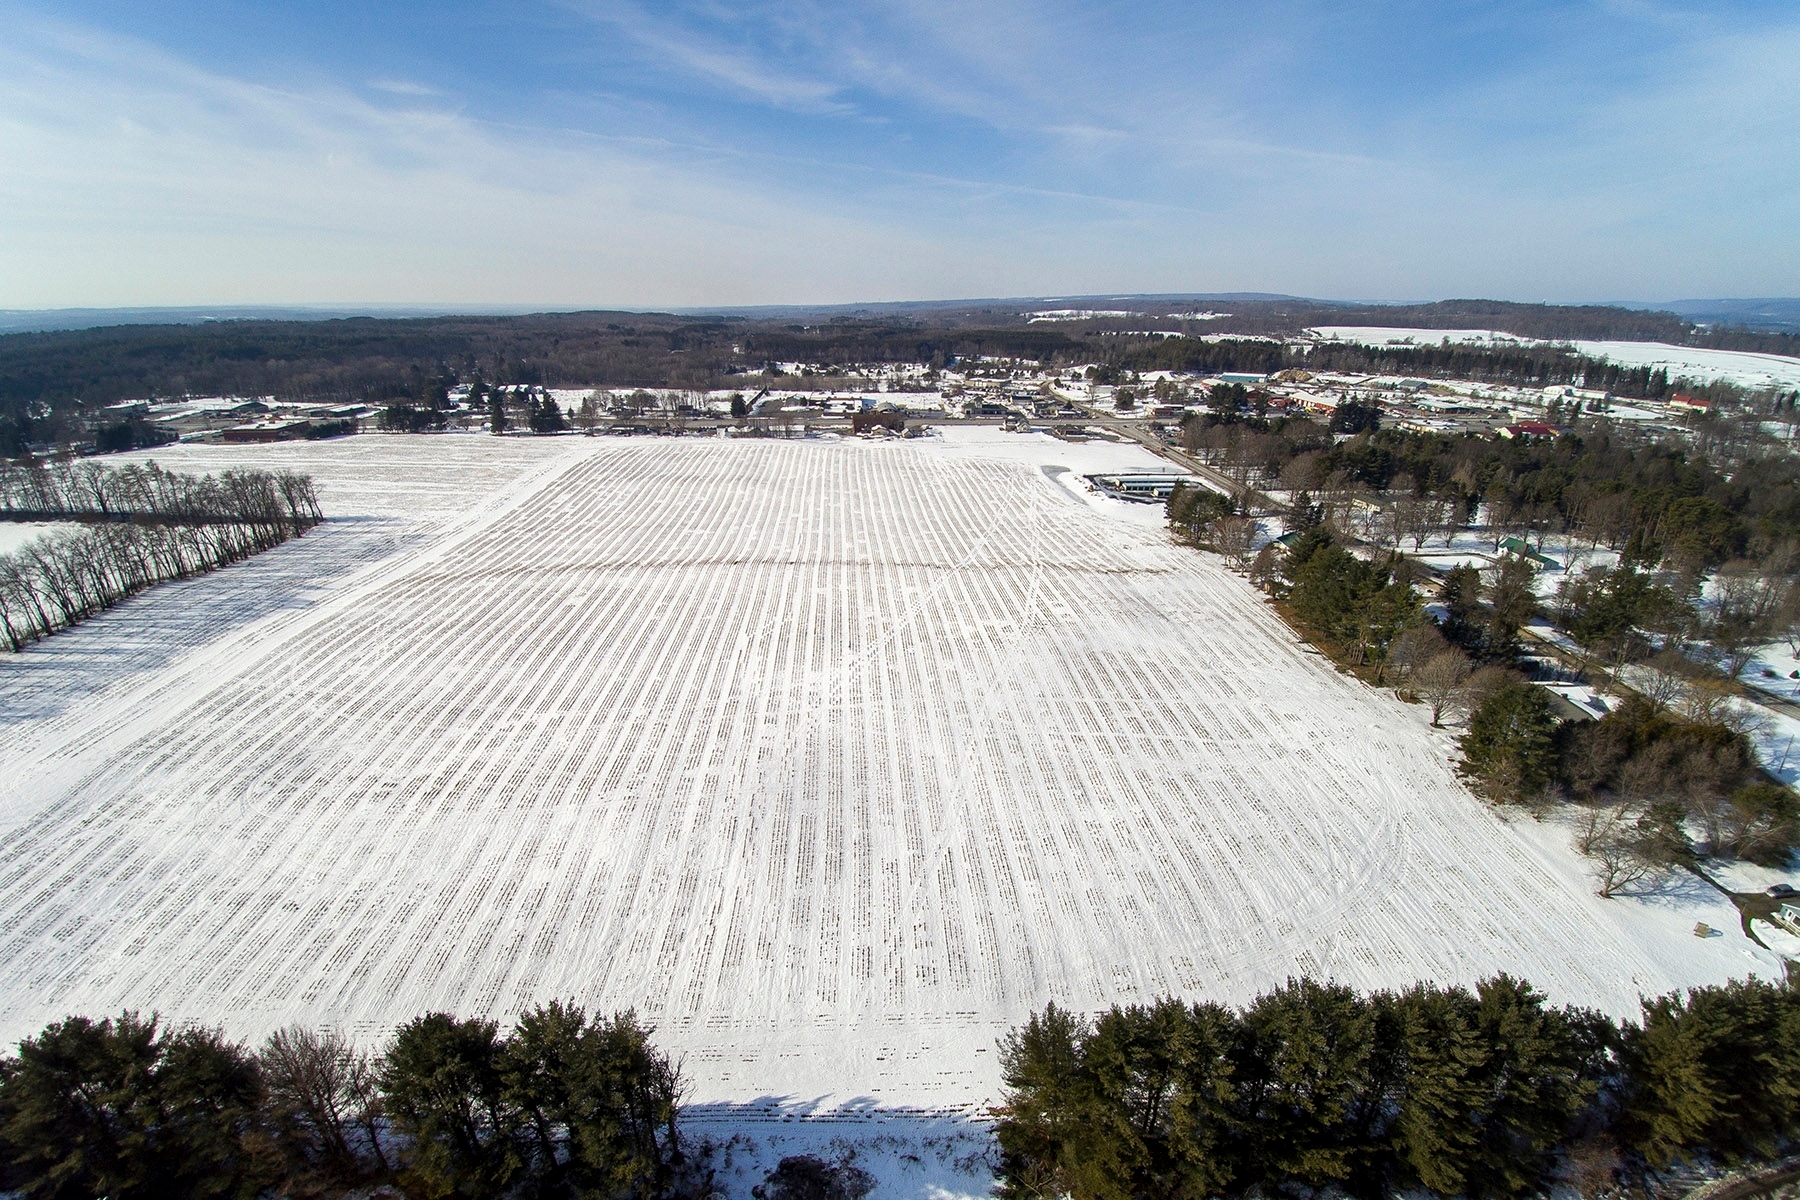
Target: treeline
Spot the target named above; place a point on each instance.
(1676, 521)
(1489, 1092)
(1684, 509)
(1654, 790)
(567, 1105)
(51, 384)
(1668, 505)
(142, 526)
(874, 343)
(1517, 366)
(82, 489)
(1667, 779)
(1664, 781)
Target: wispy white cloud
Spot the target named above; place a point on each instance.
(1035, 153)
(698, 56)
(139, 178)
(404, 87)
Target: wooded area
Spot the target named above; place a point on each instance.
(53, 384)
(1483, 1092)
(1705, 572)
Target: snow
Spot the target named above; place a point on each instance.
(925, 1155)
(1549, 633)
(1669, 906)
(1778, 939)
(1583, 697)
(1776, 736)
(1745, 369)
(834, 759)
(1748, 370)
(16, 534)
(1775, 667)
(1742, 876)
(1065, 464)
(1379, 335)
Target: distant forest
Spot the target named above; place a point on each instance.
(51, 382)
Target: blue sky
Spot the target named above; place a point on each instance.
(593, 152)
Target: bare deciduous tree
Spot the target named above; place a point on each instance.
(1664, 676)
(324, 1092)
(1747, 599)
(1233, 536)
(1609, 835)
(1411, 650)
(1442, 682)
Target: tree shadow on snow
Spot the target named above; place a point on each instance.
(171, 620)
(775, 1143)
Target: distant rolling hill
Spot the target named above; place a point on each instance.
(1769, 315)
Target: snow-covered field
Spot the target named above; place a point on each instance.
(1743, 368)
(835, 759)
(14, 535)
(1699, 364)
(1382, 335)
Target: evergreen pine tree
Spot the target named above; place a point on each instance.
(1040, 1066)
(1117, 1147)
(1300, 1062)
(127, 1109)
(1675, 1096)
(1510, 748)
(1435, 1134)
(1532, 1083)
(1200, 1132)
(442, 1081)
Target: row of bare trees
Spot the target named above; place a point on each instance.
(187, 526)
(47, 489)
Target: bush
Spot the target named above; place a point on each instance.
(808, 1177)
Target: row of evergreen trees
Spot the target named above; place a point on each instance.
(1488, 1092)
(171, 527)
(567, 1105)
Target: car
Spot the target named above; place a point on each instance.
(1784, 889)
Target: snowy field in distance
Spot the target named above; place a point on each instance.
(1700, 364)
(1741, 367)
(835, 759)
(1381, 335)
(16, 534)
